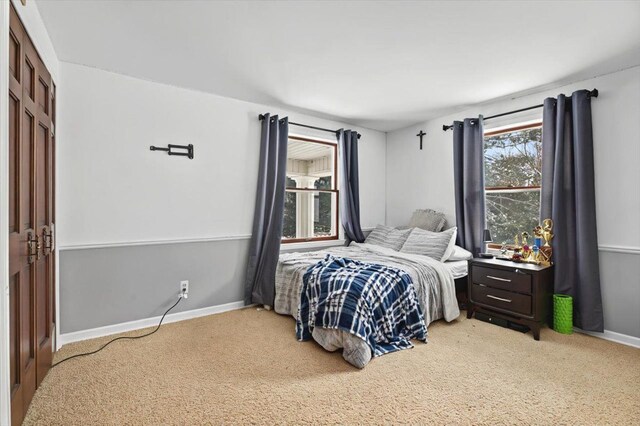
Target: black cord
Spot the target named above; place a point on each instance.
(120, 338)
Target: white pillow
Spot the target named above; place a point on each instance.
(458, 253)
(437, 245)
(386, 236)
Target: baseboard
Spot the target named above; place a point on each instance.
(623, 339)
(92, 333)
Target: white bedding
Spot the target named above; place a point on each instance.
(458, 268)
(433, 281)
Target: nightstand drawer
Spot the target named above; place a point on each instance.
(500, 278)
(505, 300)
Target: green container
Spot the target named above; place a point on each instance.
(563, 313)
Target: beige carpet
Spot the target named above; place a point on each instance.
(246, 367)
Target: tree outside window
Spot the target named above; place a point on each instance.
(513, 170)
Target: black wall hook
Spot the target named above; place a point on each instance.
(171, 148)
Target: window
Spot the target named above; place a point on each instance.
(311, 198)
(513, 170)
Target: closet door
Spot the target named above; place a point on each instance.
(23, 240)
(31, 251)
(43, 150)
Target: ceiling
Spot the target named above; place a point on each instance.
(299, 150)
(382, 65)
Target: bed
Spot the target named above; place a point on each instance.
(459, 268)
(433, 282)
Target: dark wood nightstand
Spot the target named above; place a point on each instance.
(516, 292)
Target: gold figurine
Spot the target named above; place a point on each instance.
(547, 233)
(537, 232)
(523, 252)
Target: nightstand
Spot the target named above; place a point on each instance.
(516, 292)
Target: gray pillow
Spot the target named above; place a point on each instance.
(429, 220)
(386, 236)
(437, 245)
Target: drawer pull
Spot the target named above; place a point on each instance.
(499, 298)
(498, 278)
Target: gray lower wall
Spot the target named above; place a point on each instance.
(106, 286)
(620, 282)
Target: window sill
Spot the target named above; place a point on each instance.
(289, 247)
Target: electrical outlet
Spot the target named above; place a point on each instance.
(184, 288)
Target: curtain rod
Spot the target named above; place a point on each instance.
(592, 94)
(261, 117)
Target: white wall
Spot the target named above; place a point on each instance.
(424, 179)
(113, 189)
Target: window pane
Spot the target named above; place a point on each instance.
(308, 162)
(309, 214)
(513, 159)
(509, 213)
(323, 183)
(323, 214)
(289, 222)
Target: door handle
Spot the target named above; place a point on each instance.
(33, 245)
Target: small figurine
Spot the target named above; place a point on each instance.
(546, 251)
(536, 253)
(525, 235)
(537, 231)
(517, 255)
(537, 234)
(547, 227)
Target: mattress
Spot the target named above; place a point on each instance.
(459, 268)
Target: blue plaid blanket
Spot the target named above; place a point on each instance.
(374, 302)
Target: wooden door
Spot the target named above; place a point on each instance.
(31, 220)
(44, 223)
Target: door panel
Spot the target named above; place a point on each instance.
(44, 279)
(14, 344)
(13, 166)
(31, 221)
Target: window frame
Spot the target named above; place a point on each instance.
(333, 190)
(505, 189)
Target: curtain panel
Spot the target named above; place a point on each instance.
(468, 168)
(264, 248)
(568, 198)
(349, 185)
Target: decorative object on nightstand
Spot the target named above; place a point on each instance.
(547, 233)
(486, 239)
(538, 254)
(520, 293)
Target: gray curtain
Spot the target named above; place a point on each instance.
(468, 169)
(269, 212)
(349, 185)
(568, 198)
